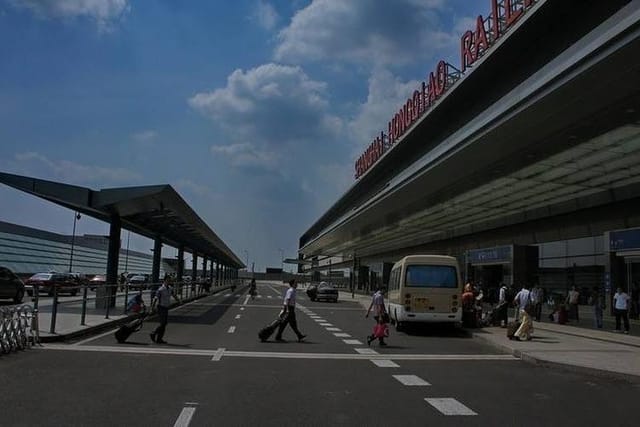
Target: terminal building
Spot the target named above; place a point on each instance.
(27, 251)
(521, 160)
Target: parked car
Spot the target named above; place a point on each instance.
(11, 286)
(96, 281)
(138, 281)
(322, 291)
(47, 282)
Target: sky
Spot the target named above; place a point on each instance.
(254, 111)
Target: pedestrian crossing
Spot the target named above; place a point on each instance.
(447, 406)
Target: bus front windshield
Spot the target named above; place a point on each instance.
(431, 276)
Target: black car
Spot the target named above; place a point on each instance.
(11, 287)
(322, 291)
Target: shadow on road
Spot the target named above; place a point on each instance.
(436, 330)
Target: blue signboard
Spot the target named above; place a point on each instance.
(498, 254)
(624, 240)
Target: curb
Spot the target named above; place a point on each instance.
(526, 357)
(92, 330)
(582, 335)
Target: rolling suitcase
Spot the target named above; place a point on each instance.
(268, 330)
(512, 327)
(127, 329)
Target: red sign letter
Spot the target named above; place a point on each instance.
(481, 43)
(510, 14)
(465, 49)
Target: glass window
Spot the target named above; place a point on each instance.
(431, 276)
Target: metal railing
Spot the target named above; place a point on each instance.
(112, 300)
(18, 328)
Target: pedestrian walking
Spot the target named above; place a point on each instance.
(596, 300)
(503, 306)
(573, 297)
(525, 306)
(380, 315)
(252, 289)
(162, 300)
(621, 309)
(537, 296)
(289, 313)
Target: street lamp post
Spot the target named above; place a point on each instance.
(76, 217)
(126, 258)
(246, 252)
(281, 259)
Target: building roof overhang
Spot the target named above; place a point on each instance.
(155, 211)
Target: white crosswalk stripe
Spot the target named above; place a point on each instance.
(352, 342)
(411, 380)
(341, 335)
(382, 363)
(449, 406)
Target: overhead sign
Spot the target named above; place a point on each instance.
(473, 45)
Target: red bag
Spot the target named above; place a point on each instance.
(380, 330)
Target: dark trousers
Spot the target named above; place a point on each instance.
(503, 313)
(537, 311)
(290, 319)
(624, 314)
(573, 312)
(163, 317)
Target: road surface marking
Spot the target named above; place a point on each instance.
(326, 324)
(333, 329)
(218, 355)
(232, 329)
(184, 419)
(449, 406)
(341, 335)
(366, 351)
(242, 308)
(269, 296)
(411, 380)
(382, 363)
(237, 316)
(320, 320)
(352, 342)
(246, 299)
(227, 295)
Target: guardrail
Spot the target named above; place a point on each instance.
(18, 328)
(113, 300)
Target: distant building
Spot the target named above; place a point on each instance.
(27, 250)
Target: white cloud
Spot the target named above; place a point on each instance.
(386, 94)
(359, 31)
(266, 111)
(104, 12)
(35, 164)
(265, 14)
(248, 156)
(145, 135)
(199, 190)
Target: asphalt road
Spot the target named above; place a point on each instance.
(215, 372)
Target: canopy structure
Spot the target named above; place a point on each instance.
(155, 211)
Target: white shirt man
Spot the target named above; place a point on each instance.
(290, 312)
(621, 309)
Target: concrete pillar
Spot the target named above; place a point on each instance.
(180, 269)
(113, 254)
(157, 256)
(211, 271)
(204, 268)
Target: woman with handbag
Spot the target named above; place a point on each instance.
(380, 330)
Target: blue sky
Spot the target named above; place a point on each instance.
(254, 111)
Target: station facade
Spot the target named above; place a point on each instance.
(521, 161)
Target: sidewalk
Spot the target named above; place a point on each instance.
(68, 320)
(593, 351)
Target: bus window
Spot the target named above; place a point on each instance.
(431, 276)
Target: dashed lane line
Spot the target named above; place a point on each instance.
(231, 330)
(246, 299)
(237, 316)
(363, 353)
(334, 329)
(184, 419)
(411, 380)
(341, 335)
(449, 406)
(352, 342)
(326, 324)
